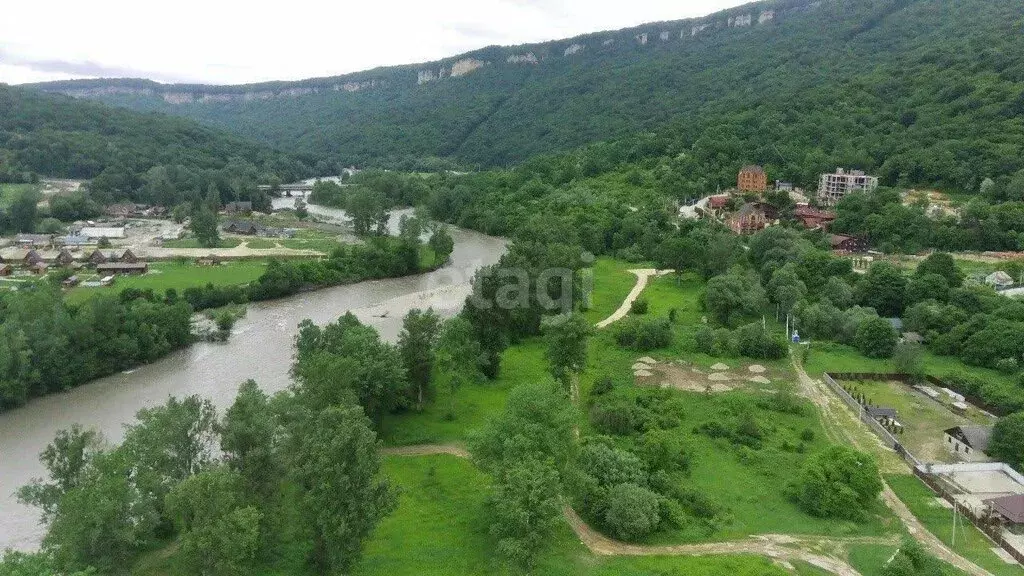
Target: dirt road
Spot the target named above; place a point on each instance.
(843, 426)
(642, 276)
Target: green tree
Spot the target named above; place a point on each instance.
(883, 288)
(567, 347)
(23, 210)
(908, 358)
(1007, 443)
(458, 358)
(733, 295)
(301, 212)
(104, 521)
(944, 265)
(67, 460)
(442, 244)
(204, 226)
(170, 443)
(526, 507)
(876, 338)
(417, 343)
(537, 423)
(50, 226)
(220, 533)
(927, 287)
(838, 482)
(337, 465)
(633, 511)
(369, 212)
(249, 438)
(181, 212)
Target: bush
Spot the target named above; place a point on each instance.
(618, 416)
(838, 482)
(756, 342)
(876, 338)
(663, 450)
(639, 307)
(643, 334)
(633, 512)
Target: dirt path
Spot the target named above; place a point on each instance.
(778, 547)
(642, 276)
(842, 426)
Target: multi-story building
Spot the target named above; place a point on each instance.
(752, 179)
(833, 187)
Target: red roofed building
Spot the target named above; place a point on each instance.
(842, 243)
(812, 218)
(750, 219)
(752, 179)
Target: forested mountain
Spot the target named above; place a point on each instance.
(54, 135)
(920, 91)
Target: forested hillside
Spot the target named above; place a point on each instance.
(922, 92)
(145, 157)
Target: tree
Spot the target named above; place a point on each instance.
(249, 439)
(786, 288)
(346, 361)
(927, 287)
(908, 359)
(944, 265)
(838, 292)
(458, 357)
(567, 347)
(220, 532)
(170, 443)
(633, 511)
(301, 212)
(67, 459)
(50, 226)
(537, 423)
(876, 338)
(913, 560)
(883, 288)
(442, 244)
(368, 210)
(204, 226)
(526, 507)
(23, 210)
(733, 295)
(838, 482)
(104, 521)
(416, 343)
(181, 212)
(1007, 443)
(337, 466)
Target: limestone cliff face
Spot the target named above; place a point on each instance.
(667, 34)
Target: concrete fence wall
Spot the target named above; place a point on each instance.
(886, 436)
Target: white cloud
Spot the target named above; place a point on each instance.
(227, 42)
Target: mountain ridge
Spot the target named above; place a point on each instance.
(455, 66)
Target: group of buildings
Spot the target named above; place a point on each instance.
(105, 263)
(744, 215)
(78, 238)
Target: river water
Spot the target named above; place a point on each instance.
(260, 348)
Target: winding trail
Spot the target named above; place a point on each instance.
(642, 276)
(778, 547)
(841, 425)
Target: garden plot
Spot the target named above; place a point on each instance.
(683, 376)
(923, 419)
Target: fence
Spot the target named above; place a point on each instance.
(989, 528)
(909, 379)
(875, 426)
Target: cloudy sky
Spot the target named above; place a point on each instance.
(232, 42)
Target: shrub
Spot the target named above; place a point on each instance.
(633, 511)
(663, 450)
(639, 306)
(838, 482)
(1007, 365)
(643, 334)
(756, 342)
(876, 338)
(619, 416)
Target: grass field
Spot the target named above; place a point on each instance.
(164, 275)
(261, 244)
(193, 243)
(612, 283)
(970, 542)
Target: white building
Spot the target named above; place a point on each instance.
(968, 443)
(833, 187)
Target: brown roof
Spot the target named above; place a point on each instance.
(1009, 507)
(718, 201)
(753, 168)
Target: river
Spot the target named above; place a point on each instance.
(260, 348)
